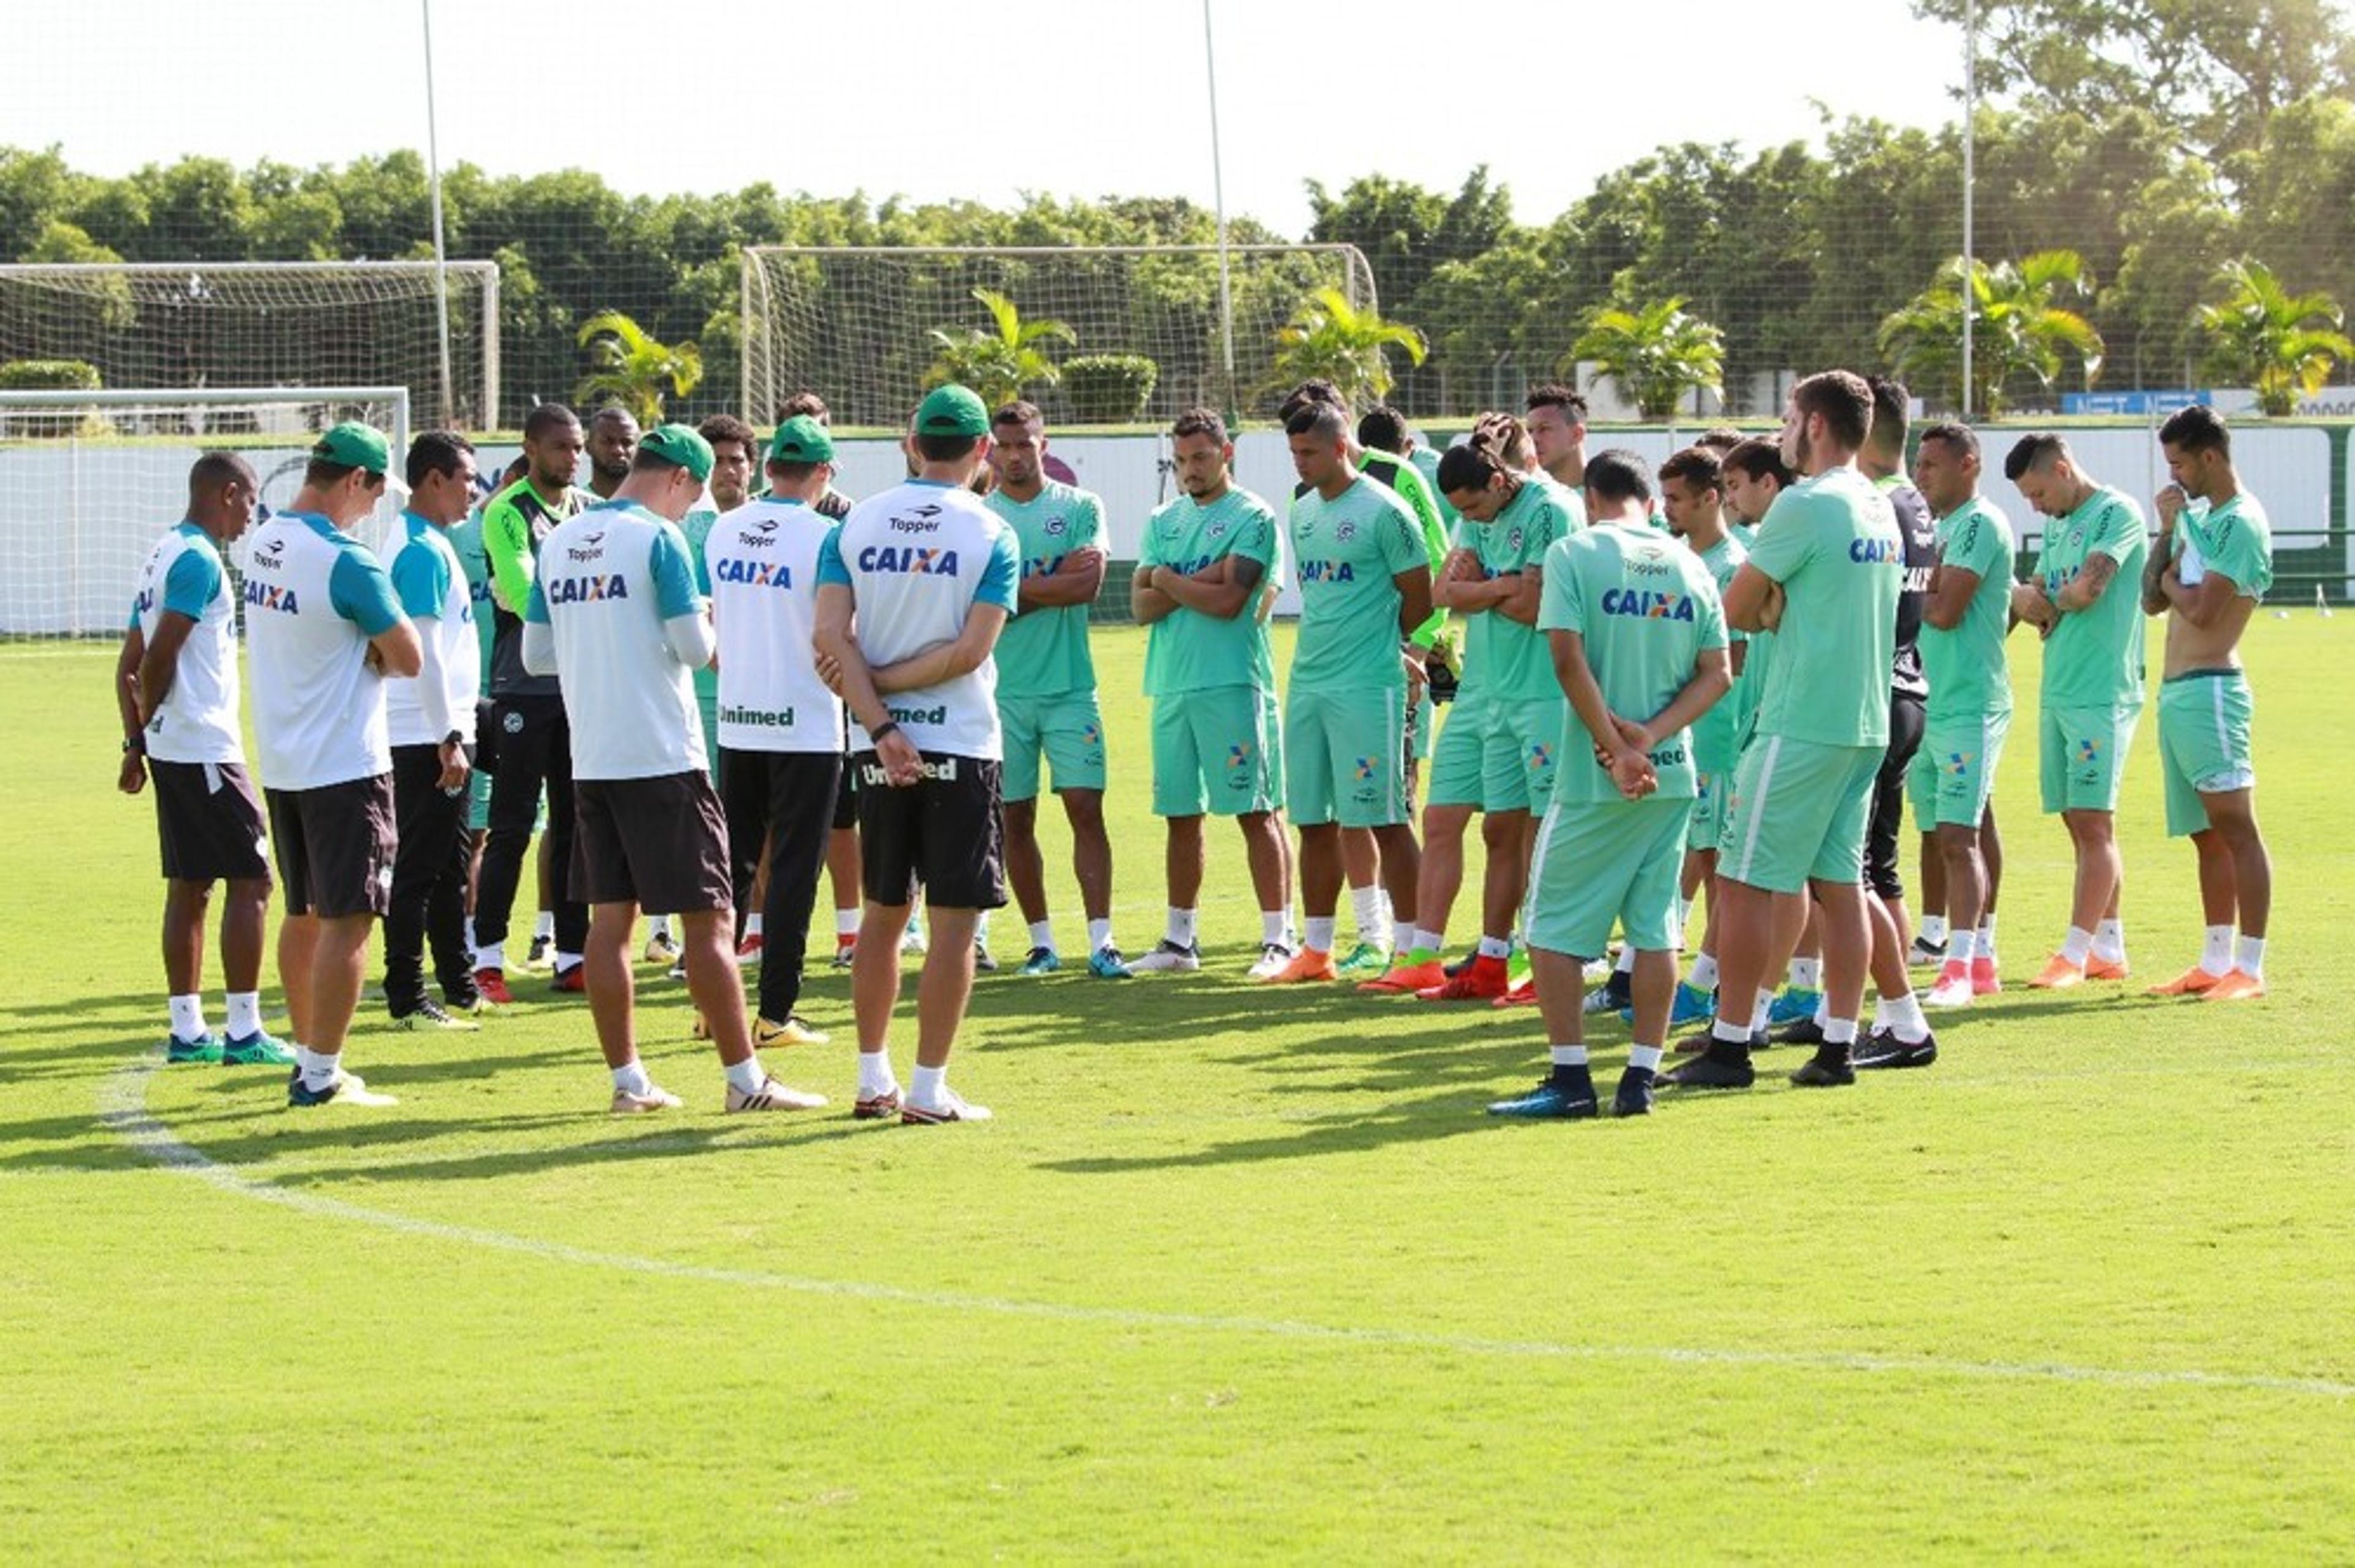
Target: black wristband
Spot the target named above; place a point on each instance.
(137, 743)
(888, 727)
(455, 739)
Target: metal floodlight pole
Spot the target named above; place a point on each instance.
(1970, 193)
(449, 404)
(1219, 194)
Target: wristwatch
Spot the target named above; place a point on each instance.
(134, 743)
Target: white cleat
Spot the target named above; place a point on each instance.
(1169, 958)
(1951, 991)
(773, 1095)
(656, 1098)
(949, 1108)
(1273, 957)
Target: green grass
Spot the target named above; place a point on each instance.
(1235, 1275)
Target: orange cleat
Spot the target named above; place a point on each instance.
(1984, 980)
(1524, 995)
(2194, 981)
(1402, 978)
(2237, 986)
(2058, 975)
(2100, 968)
(1307, 965)
(1483, 980)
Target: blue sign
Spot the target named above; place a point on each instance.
(2133, 404)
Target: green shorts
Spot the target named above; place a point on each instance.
(1427, 725)
(1215, 749)
(1604, 862)
(1344, 757)
(1517, 765)
(1706, 828)
(2083, 759)
(1798, 813)
(2203, 742)
(1960, 756)
(1066, 729)
(1456, 756)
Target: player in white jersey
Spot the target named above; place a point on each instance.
(780, 727)
(913, 589)
(430, 721)
(324, 632)
(175, 686)
(614, 613)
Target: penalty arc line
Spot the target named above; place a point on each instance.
(122, 1108)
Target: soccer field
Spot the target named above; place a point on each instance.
(1236, 1274)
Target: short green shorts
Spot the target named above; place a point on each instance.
(1605, 862)
(2203, 742)
(1456, 757)
(1706, 828)
(1798, 813)
(1066, 729)
(1427, 725)
(1345, 757)
(2083, 758)
(1961, 756)
(1215, 749)
(1524, 740)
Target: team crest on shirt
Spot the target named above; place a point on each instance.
(1344, 530)
(1056, 525)
(1218, 531)
(1513, 542)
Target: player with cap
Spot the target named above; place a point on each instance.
(615, 612)
(176, 686)
(914, 588)
(430, 721)
(324, 630)
(780, 727)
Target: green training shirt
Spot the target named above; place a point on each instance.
(2234, 539)
(1832, 542)
(1519, 664)
(1186, 650)
(1044, 652)
(1968, 672)
(1717, 734)
(1347, 551)
(2094, 657)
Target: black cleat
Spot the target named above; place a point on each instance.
(1884, 1050)
(1723, 1066)
(1827, 1069)
(1807, 1031)
(1635, 1095)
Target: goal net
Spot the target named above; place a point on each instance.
(261, 323)
(1143, 337)
(89, 481)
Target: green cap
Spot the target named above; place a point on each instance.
(951, 410)
(681, 444)
(356, 445)
(801, 439)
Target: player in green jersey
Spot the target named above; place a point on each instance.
(2086, 600)
(1201, 573)
(1556, 424)
(1964, 619)
(2213, 562)
(1047, 685)
(1365, 587)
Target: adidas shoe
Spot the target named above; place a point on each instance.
(1367, 958)
(845, 948)
(1485, 981)
(259, 1048)
(178, 1052)
(430, 1014)
(344, 1088)
(491, 984)
(1168, 958)
(1042, 960)
(656, 1098)
(1925, 953)
(773, 1095)
(874, 1107)
(1106, 964)
(1792, 1005)
(1692, 1006)
(573, 982)
(950, 1109)
(661, 949)
(1273, 958)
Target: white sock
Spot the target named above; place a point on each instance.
(1275, 926)
(1180, 929)
(1043, 935)
(1704, 973)
(1987, 937)
(1839, 1031)
(2077, 945)
(981, 930)
(244, 1014)
(317, 1070)
(1823, 1009)
(929, 1087)
(1962, 946)
(631, 1078)
(1903, 1017)
(1366, 903)
(2251, 960)
(661, 926)
(1933, 929)
(874, 1074)
(2216, 951)
(1763, 1013)
(1099, 935)
(1320, 933)
(1644, 1058)
(1568, 1055)
(1626, 964)
(1732, 1034)
(1496, 947)
(543, 924)
(2110, 942)
(747, 1076)
(188, 1016)
(752, 926)
(567, 962)
(1807, 974)
(1428, 938)
(846, 923)
(494, 956)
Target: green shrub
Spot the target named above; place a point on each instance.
(1109, 388)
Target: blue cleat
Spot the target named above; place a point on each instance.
(1635, 1095)
(1793, 1006)
(178, 1052)
(1567, 1094)
(259, 1049)
(1106, 964)
(1042, 960)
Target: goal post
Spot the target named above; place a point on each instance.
(196, 325)
(858, 323)
(89, 481)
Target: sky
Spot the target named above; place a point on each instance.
(1069, 98)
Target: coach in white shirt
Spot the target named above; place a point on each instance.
(323, 631)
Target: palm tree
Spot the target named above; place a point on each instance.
(1653, 353)
(1330, 337)
(628, 368)
(2262, 336)
(1003, 362)
(2020, 326)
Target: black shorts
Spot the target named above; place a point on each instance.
(209, 823)
(336, 846)
(659, 843)
(944, 835)
(1881, 876)
(846, 796)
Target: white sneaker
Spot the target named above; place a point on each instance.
(773, 1095)
(1170, 957)
(1951, 991)
(1598, 970)
(656, 1098)
(345, 1090)
(949, 1109)
(1273, 956)
(912, 939)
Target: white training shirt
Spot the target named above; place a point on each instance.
(917, 558)
(198, 719)
(609, 578)
(762, 559)
(431, 586)
(314, 598)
